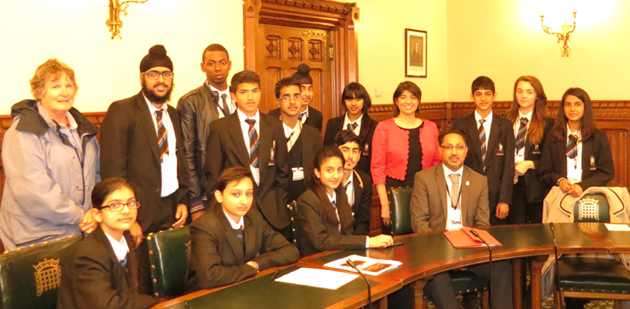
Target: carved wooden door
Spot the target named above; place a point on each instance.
(284, 49)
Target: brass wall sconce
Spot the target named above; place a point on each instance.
(115, 8)
(563, 37)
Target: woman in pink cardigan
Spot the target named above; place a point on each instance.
(402, 146)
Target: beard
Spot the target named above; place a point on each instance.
(154, 97)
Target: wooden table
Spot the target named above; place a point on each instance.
(423, 255)
(261, 292)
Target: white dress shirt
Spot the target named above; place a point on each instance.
(169, 161)
(574, 166)
(120, 247)
(454, 216)
(235, 225)
(486, 125)
(228, 99)
(346, 122)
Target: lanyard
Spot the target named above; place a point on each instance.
(459, 196)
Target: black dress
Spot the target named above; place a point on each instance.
(414, 161)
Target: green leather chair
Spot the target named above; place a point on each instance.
(463, 282)
(294, 225)
(588, 276)
(29, 277)
(169, 253)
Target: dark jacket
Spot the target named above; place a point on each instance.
(499, 161)
(92, 277)
(597, 162)
(226, 140)
(197, 109)
(368, 125)
(316, 234)
(129, 149)
(536, 189)
(218, 257)
(362, 184)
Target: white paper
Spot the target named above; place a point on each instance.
(618, 227)
(319, 278)
(364, 264)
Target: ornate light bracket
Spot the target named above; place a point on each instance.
(563, 37)
(115, 8)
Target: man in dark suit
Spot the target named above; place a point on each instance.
(303, 141)
(356, 184)
(141, 142)
(490, 139)
(251, 139)
(452, 196)
(308, 115)
(197, 109)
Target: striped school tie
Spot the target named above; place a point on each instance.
(520, 137)
(352, 126)
(572, 146)
(253, 142)
(302, 116)
(334, 203)
(483, 141)
(162, 136)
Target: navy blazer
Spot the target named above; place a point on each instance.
(499, 160)
(597, 162)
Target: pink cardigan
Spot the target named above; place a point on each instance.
(390, 149)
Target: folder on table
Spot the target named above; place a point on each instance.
(463, 238)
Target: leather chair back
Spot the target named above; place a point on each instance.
(399, 201)
(169, 254)
(592, 208)
(30, 277)
(294, 225)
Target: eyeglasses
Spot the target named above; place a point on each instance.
(118, 206)
(450, 147)
(287, 97)
(156, 74)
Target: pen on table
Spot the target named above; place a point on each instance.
(275, 275)
(396, 244)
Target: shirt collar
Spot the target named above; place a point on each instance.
(528, 116)
(226, 91)
(347, 120)
(120, 247)
(349, 179)
(152, 108)
(235, 225)
(52, 123)
(333, 197)
(488, 118)
(578, 133)
(447, 171)
(242, 116)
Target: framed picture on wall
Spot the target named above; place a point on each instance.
(415, 53)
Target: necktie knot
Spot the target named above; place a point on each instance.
(158, 114)
(334, 203)
(251, 122)
(302, 115)
(352, 126)
(524, 120)
(454, 178)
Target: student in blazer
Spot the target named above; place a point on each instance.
(499, 163)
(356, 101)
(324, 217)
(101, 271)
(531, 126)
(593, 163)
(229, 148)
(229, 243)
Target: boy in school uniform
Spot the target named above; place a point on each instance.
(252, 139)
(303, 141)
(491, 143)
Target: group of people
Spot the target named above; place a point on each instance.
(216, 161)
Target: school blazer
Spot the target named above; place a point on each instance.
(129, 149)
(315, 118)
(368, 124)
(93, 277)
(217, 255)
(597, 162)
(226, 148)
(362, 184)
(500, 156)
(536, 189)
(429, 205)
(316, 234)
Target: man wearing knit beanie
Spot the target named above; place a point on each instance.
(308, 115)
(141, 142)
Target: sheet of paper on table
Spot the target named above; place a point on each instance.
(319, 278)
(618, 227)
(368, 266)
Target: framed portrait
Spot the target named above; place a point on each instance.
(415, 53)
